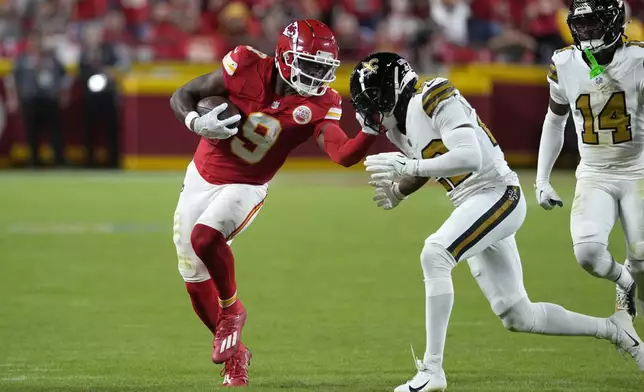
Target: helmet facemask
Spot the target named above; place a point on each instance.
(371, 104)
(376, 105)
(596, 30)
(310, 74)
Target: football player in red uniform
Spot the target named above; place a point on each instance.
(284, 101)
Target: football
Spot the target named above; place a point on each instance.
(207, 104)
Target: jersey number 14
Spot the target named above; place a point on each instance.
(613, 117)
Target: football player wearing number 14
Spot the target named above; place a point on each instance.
(601, 79)
(441, 136)
(285, 100)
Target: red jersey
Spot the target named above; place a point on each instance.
(272, 125)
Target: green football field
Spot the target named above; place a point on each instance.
(91, 299)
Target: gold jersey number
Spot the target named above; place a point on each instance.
(612, 117)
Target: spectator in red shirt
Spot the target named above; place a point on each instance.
(137, 14)
(210, 18)
(541, 23)
(166, 38)
(88, 10)
(368, 12)
(492, 26)
(114, 28)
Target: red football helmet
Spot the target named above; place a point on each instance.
(307, 56)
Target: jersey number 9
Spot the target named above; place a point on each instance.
(261, 132)
(612, 117)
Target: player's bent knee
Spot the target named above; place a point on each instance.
(519, 317)
(205, 238)
(588, 253)
(436, 260)
(637, 250)
(193, 270)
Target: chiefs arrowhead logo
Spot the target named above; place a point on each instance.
(291, 31)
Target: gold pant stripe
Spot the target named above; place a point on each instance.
(486, 223)
(246, 220)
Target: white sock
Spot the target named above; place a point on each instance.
(624, 278)
(551, 319)
(439, 299)
(597, 260)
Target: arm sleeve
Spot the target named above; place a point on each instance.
(340, 148)
(458, 135)
(552, 139)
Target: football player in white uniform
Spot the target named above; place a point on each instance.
(601, 79)
(441, 136)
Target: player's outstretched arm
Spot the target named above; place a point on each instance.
(342, 149)
(409, 185)
(552, 139)
(185, 99)
(458, 135)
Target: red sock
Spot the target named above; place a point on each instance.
(205, 302)
(211, 247)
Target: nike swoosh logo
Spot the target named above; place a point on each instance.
(412, 389)
(635, 342)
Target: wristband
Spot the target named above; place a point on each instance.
(191, 116)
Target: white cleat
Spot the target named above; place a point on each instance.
(430, 378)
(626, 339)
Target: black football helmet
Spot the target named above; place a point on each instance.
(597, 24)
(378, 83)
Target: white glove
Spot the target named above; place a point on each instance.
(388, 195)
(211, 127)
(366, 129)
(547, 197)
(392, 166)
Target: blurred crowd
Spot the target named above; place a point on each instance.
(429, 32)
(100, 38)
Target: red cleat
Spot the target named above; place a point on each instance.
(235, 371)
(228, 335)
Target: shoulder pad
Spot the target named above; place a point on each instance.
(567, 48)
(562, 55)
(634, 49)
(242, 55)
(436, 92)
(331, 104)
(639, 44)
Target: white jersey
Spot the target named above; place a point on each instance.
(607, 110)
(425, 127)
